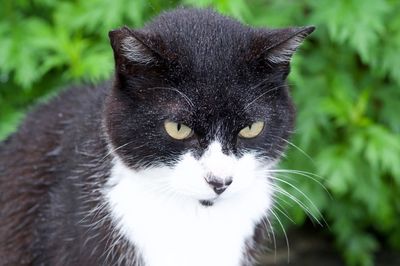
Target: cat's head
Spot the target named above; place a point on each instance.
(200, 104)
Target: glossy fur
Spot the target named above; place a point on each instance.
(68, 176)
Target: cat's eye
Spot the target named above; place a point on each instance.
(252, 130)
(177, 130)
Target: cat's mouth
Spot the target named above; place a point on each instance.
(207, 203)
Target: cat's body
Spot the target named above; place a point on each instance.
(35, 180)
(97, 177)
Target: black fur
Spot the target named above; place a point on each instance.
(205, 70)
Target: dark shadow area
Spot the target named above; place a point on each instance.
(309, 247)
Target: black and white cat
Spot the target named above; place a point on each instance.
(170, 165)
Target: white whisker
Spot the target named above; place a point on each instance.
(297, 201)
(305, 196)
(187, 99)
(261, 95)
(284, 232)
(111, 151)
(311, 176)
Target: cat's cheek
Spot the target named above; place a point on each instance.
(245, 175)
(249, 174)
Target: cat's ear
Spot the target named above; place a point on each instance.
(278, 46)
(135, 49)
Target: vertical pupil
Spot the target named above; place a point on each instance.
(178, 126)
(250, 127)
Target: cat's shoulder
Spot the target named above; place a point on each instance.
(70, 105)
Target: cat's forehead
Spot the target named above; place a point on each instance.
(211, 56)
(201, 39)
(199, 30)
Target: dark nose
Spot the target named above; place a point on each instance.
(219, 185)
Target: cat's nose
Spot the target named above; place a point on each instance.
(219, 185)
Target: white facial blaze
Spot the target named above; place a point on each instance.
(218, 163)
(158, 209)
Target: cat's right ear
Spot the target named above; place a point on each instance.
(134, 50)
(277, 46)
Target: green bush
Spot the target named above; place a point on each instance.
(346, 84)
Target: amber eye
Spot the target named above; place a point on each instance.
(177, 130)
(252, 130)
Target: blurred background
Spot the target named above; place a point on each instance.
(344, 181)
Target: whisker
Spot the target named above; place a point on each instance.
(296, 171)
(305, 174)
(283, 212)
(187, 99)
(114, 150)
(258, 84)
(285, 234)
(305, 196)
(298, 148)
(294, 146)
(273, 236)
(297, 201)
(262, 94)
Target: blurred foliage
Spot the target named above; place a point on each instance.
(346, 84)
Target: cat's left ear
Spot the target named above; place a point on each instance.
(278, 46)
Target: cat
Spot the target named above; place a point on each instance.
(169, 164)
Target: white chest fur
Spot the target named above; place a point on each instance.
(171, 229)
